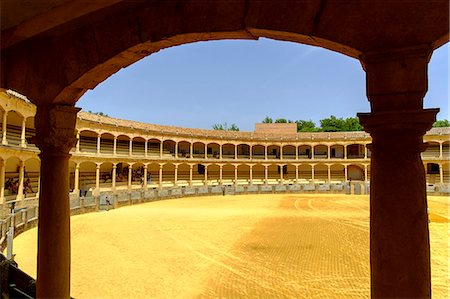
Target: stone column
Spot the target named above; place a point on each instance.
(160, 175)
(77, 149)
(365, 173)
(206, 151)
(161, 149)
(329, 173)
(296, 173)
(365, 151)
(345, 172)
(235, 173)
(235, 151)
(2, 181)
(312, 172)
(145, 175)
(251, 174)
(114, 175)
(76, 184)
(190, 174)
(220, 151)
(266, 173)
(265, 152)
(441, 174)
(281, 174)
(251, 151)
(296, 152)
(175, 182)
(4, 128)
(191, 151)
(55, 136)
(130, 175)
(399, 238)
(345, 151)
(21, 180)
(220, 174)
(206, 175)
(98, 143)
(440, 150)
(23, 142)
(130, 148)
(329, 151)
(281, 152)
(115, 146)
(97, 180)
(145, 148)
(312, 152)
(176, 149)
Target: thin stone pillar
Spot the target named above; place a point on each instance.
(176, 149)
(55, 136)
(98, 143)
(206, 175)
(345, 151)
(220, 151)
(130, 174)
(175, 182)
(251, 151)
(77, 149)
(206, 151)
(160, 179)
(23, 142)
(365, 151)
(161, 148)
(251, 174)
(345, 173)
(281, 173)
(97, 179)
(191, 151)
(235, 151)
(114, 175)
(220, 174)
(440, 149)
(441, 174)
(329, 173)
(266, 173)
(265, 152)
(21, 180)
(76, 184)
(190, 174)
(399, 238)
(296, 152)
(130, 148)
(296, 173)
(329, 152)
(146, 173)
(312, 172)
(235, 174)
(281, 152)
(312, 152)
(365, 173)
(2, 181)
(4, 128)
(115, 146)
(145, 148)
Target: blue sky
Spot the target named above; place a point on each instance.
(238, 81)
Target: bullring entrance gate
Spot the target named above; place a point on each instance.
(53, 51)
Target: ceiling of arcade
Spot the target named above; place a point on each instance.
(77, 44)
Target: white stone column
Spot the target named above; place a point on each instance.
(365, 151)
(312, 152)
(130, 153)
(130, 175)
(175, 183)
(145, 174)
(23, 142)
(206, 151)
(235, 151)
(114, 175)
(235, 173)
(176, 150)
(161, 148)
(296, 173)
(76, 183)
(115, 146)
(281, 152)
(206, 175)
(251, 174)
(329, 151)
(77, 149)
(98, 143)
(97, 180)
(191, 151)
(190, 174)
(55, 136)
(220, 174)
(345, 151)
(365, 173)
(329, 173)
(281, 174)
(21, 180)
(440, 150)
(312, 172)
(345, 173)
(2, 182)
(251, 151)
(441, 174)
(145, 148)
(4, 128)
(220, 151)
(265, 152)
(296, 152)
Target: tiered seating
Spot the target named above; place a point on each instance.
(138, 148)
(106, 146)
(123, 147)
(431, 152)
(88, 144)
(153, 149)
(13, 134)
(337, 176)
(258, 156)
(28, 134)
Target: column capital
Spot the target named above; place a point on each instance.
(55, 129)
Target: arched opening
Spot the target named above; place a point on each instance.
(87, 178)
(273, 152)
(243, 174)
(228, 151)
(153, 147)
(446, 173)
(169, 148)
(88, 141)
(258, 151)
(213, 174)
(228, 174)
(107, 144)
(320, 151)
(184, 149)
(432, 151)
(153, 175)
(304, 152)
(12, 182)
(30, 132)
(289, 177)
(213, 150)
(337, 151)
(138, 146)
(258, 174)
(122, 176)
(289, 152)
(355, 173)
(337, 173)
(123, 145)
(273, 175)
(199, 150)
(304, 173)
(32, 168)
(243, 151)
(106, 176)
(320, 173)
(168, 175)
(432, 173)
(355, 151)
(137, 172)
(446, 149)
(198, 175)
(183, 175)
(14, 128)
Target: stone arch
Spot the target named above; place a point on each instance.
(88, 141)
(273, 151)
(289, 151)
(243, 173)
(337, 173)
(123, 145)
(213, 150)
(14, 127)
(258, 151)
(228, 151)
(138, 146)
(304, 173)
(305, 151)
(258, 174)
(169, 148)
(198, 150)
(320, 151)
(355, 172)
(153, 147)
(243, 151)
(87, 175)
(337, 151)
(213, 174)
(107, 143)
(184, 148)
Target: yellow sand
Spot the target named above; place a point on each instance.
(255, 246)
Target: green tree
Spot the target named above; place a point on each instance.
(441, 123)
(306, 126)
(220, 127)
(233, 127)
(267, 120)
(281, 121)
(352, 124)
(332, 124)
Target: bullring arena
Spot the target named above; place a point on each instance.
(186, 213)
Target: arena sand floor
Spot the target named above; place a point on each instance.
(250, 246)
